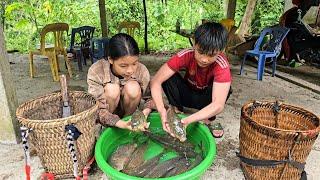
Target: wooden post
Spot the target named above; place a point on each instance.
(318, 17)
(103, 18)
(146, 50)
(231, 9)
(9, 128)
(246, 19)
(287, 5)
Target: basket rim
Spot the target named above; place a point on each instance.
(246, 117)
(48, 121)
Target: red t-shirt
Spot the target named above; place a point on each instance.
(198, 77)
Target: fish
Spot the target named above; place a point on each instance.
(136, 158)
(138, 121)
(186, 148)
(163, 168)
(121, 156)
(180, 166)
(196, 162)
(145, 168)
(175, 125)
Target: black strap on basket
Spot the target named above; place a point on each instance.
(255, 104)
(266, 163)
(272, 163)
(276, 110)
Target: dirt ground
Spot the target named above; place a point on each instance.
(226, 164)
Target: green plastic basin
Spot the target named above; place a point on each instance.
(111, 138)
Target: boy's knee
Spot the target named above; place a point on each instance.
(112, 91)
(132, 90)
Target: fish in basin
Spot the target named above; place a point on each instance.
(183, 148)
(175, 125)
(121, 156)
(139, 121)
(136, 158)
(145, 168)
(163, 168)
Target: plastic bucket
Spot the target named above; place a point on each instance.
(111, 138)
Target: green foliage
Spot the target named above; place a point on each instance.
(24, 19)
(267, 13)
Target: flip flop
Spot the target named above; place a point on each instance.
(216, 127)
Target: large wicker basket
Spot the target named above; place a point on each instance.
(48, 135)
(275, 140)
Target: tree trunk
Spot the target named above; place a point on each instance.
(287, 5)
(318, 17)
(103, 18)
(9, 131)
(2, 10)
(146, 50)
(246, 19)
(231, 9)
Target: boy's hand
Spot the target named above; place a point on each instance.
(185, 122)
(146, 112)
(163, 116)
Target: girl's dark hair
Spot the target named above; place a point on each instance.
(210, 37)
(121, 45)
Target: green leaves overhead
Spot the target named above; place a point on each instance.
(24, 19)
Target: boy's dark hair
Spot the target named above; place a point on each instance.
(210, 37)
(121, 45)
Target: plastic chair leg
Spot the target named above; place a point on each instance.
(261, 64)
(83, 58)
(67, 62)
(56, 66)
(274, 66)
(242, 63)
(31, 66)
(51, 58)
(78, 55)
(57, 62)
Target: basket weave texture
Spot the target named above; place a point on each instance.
(270, 131)
(48, 133)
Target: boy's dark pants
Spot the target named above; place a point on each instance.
(180, 94)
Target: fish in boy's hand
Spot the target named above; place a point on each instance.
(175, 125)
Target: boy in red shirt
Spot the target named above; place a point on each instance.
(207, 79)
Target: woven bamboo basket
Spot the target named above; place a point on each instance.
(274, 137)
(48, 133)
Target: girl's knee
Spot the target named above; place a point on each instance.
(132, 90)
(112, 91)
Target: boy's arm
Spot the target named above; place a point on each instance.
(164, 73)
(219, 95)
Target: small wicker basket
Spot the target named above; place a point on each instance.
(275, 140)
(48, 135)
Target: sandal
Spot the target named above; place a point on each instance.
(216, 130)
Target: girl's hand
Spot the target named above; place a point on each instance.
(124, 125)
